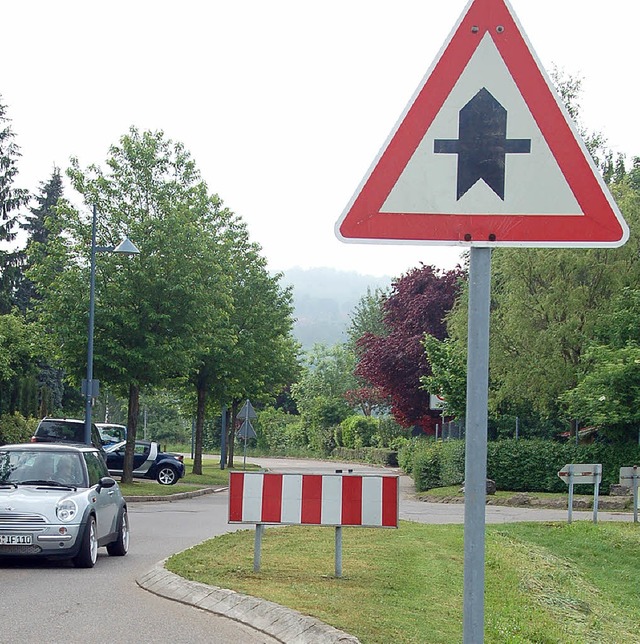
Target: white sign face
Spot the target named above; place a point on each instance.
(436, 402)
(582, 473)
(627, 475)
(534, 183)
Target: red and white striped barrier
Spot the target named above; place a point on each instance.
(313, 499)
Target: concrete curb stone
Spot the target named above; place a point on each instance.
(283, 624)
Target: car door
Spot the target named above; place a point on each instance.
(145, 456)
(105, 500)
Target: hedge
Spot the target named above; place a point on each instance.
(515, 465)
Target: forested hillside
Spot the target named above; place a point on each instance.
(323, 300)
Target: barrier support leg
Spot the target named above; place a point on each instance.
(338, 551)
(257, 549)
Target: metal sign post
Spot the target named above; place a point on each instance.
(629, 475)
(475, 486)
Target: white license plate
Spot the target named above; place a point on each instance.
(15, 540)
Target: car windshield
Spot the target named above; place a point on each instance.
(32, 467)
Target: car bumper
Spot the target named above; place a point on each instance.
(52, 540)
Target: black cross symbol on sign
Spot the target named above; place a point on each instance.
(482, 144)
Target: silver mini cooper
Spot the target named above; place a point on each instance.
(58, 500)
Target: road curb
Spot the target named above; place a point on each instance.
(283, 624)
(175, 497)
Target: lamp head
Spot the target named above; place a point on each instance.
(126, 247)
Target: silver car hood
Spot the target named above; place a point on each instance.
(36, 499)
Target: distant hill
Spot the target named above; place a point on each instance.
(324, 299)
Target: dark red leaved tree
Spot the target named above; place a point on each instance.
(418, 303)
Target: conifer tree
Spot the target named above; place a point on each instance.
(11, 200)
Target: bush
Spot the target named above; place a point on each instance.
(426, 465)
(15, 428)
(357, 431)
(452, 463)
(278, 431)
(389, 433)
(322, 440)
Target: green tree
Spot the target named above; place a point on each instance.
(264, 360)
(608, 395)
(38, 233)
(368, 317)
(11, 200)
(155, 312)
(320, 393)
(17, 365)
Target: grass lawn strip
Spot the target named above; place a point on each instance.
(406, 585)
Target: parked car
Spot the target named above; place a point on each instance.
(57, 500)
(148, 462)
(111, 433)
(64, 430)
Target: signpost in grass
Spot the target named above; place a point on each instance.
(582, 474)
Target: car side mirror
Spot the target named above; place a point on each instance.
(106, 482)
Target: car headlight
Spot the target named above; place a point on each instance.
(66, 510)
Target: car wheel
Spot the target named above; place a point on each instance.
(120, 546)
(88, 554)
(167, 475)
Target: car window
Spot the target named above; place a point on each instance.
(96, 467)
(141, 449)
(72, 432)
(69, 470)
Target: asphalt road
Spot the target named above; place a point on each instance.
(56, 603)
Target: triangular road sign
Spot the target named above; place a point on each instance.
(246, 430)
(484, 154)
(247, 411)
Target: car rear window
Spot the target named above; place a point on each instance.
(60, 430)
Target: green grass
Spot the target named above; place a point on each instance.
(545, 583)
(212, 476)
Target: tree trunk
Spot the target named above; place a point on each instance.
(132, 426)
(197, 451)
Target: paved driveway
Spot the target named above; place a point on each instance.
(423, 512)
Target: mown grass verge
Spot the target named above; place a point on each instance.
(545, 583)
(212, 476)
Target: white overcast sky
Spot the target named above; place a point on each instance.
(283, 104)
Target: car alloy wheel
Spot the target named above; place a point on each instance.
(88, 554)
(167, 475)
(120, 546)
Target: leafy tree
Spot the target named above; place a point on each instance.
(254, 356)
(367, 317)
(395, 362)
(11, 200)
(17, 365)
(155, 312)
(608, 396)
(608, 391)
(320, 393)
(448, 376)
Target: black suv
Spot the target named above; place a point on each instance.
(65, 430)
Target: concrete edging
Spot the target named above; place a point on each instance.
(283, 624)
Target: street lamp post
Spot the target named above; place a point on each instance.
(125, 247)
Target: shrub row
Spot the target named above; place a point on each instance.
(515, 465)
